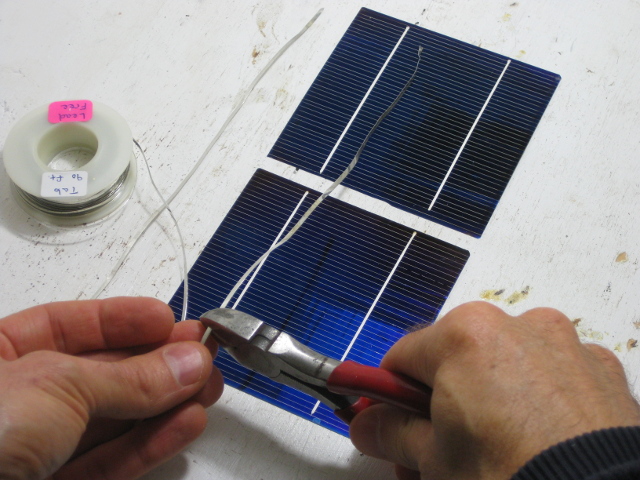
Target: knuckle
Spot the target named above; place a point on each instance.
(604, 356)
(476, 309)
(408, 443)
(472, 323)
(396, 434)
(550, 317)
(127, 391)
(144, 383)
(401, 452)
(552, 324)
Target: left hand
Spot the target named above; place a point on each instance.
(100, 389)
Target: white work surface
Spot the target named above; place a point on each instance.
(566, 230)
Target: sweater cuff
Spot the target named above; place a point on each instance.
(613, 453)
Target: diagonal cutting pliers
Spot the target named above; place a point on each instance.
(346, 387)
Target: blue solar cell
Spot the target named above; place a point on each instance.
(342, 267)
(468, 108)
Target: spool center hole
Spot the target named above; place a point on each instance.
(67, 147)
(73, 158)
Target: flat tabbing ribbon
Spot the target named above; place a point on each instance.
(448, 149)
(348, 284)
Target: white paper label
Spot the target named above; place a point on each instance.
(64, 184)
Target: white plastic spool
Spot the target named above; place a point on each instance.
(101, 146)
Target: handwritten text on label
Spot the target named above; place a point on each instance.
(70, 111)
(64, 184)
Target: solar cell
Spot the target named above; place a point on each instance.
(448, 149)
(348, 284)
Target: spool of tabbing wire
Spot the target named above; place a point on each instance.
(70, 162)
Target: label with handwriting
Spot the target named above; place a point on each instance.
(70, 111)
(64, 184)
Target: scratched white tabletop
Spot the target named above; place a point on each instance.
(565, 234)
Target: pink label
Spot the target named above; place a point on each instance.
(71, 111)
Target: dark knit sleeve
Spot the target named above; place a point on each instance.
(611, 454)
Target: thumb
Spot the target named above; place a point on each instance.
(147, 385)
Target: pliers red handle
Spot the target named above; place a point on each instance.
(375, 385)
(346, 387)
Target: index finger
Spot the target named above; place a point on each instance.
(80, 326)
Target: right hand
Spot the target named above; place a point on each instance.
(504, 389)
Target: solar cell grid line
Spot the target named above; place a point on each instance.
(466, 139)
(373, 305)
(448, 149)
(441, 273)
(319, 285)
(438, 273)
(289, 266)
(278, 237)
(348, 280)
(364, 99)
(337, 220)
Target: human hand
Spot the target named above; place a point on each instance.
(504, 389)
(100, 389)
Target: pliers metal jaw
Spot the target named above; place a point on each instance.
(275, 354)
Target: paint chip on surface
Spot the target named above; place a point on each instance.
(494, 295)
(622, 258)
(497, 295)
(590, 335)
(516, 297)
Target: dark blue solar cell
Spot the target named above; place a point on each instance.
(342, 267)
(448, 149)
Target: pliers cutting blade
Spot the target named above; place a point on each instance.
(346, 387)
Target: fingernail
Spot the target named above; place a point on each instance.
(185, 362)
